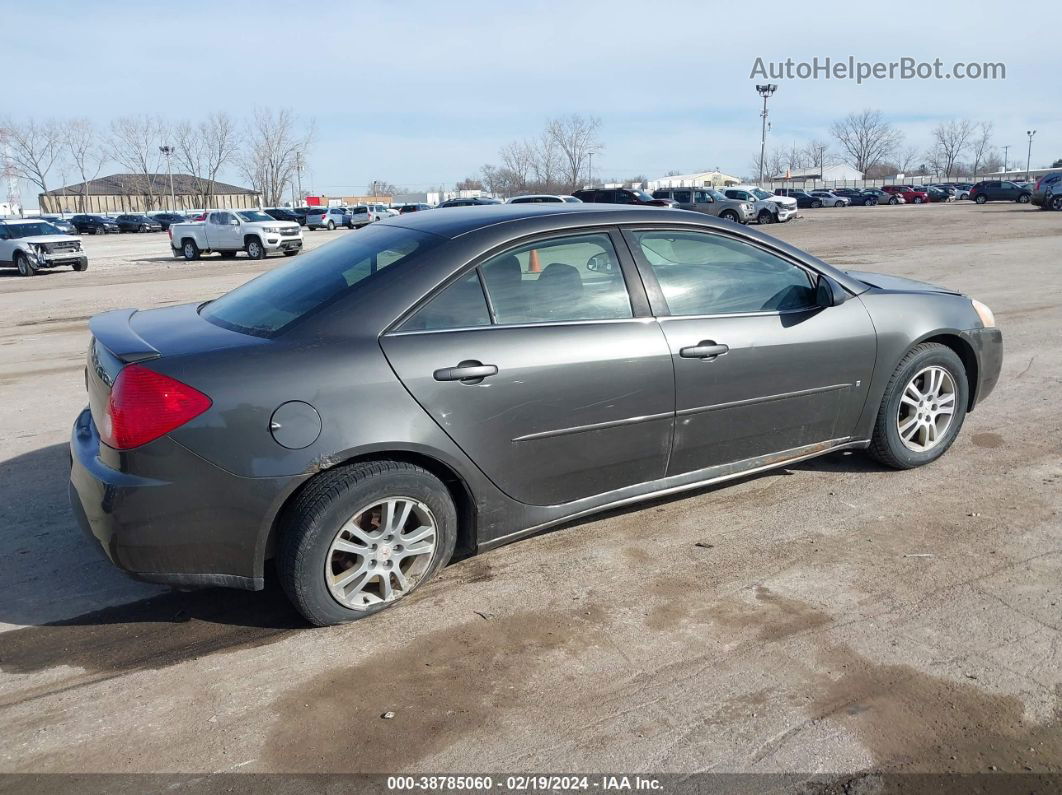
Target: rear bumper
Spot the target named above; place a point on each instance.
(987, 344)
(183, 521)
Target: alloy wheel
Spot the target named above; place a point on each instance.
(381, 553)
(926, 409)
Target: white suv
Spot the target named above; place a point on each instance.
(31, 244)
(365, 214)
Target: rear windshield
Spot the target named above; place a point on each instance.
(269, 304)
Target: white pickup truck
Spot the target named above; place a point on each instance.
(230, 231)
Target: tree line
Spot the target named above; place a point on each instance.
(266, 149)
(869, 143)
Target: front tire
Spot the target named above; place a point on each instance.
(255, 249)
(1024, 198)
(923, 408)
(1055, 203)
(765, 217)
(25, 266)
(360, 538)
(729, 215)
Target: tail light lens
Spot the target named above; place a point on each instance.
(145, 405)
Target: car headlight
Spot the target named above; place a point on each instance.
(988, 320)
(271, 230)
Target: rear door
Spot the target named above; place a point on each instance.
(759, 368)
(560, 388)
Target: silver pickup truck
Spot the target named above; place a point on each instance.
(230, 231)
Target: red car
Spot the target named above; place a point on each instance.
(910, 194)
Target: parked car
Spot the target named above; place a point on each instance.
(850, 193)
(909, 193)
(94, 224)
(329, 218)
(939, 194)
(31, 244)
(413, 208)
(767, 212)
(803, 198)
(620, 196)
(962, 189)
(168, 219)
(365, 214)
(482, 200)
(1000, 191)
(831, 199)
(543, 198)
(60, 223)
(230, 231)
(284, 214)
(872, 196)
(360, 455)
(137, 223)
(708, 201)
(1047, 195)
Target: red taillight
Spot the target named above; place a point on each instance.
(145, 405)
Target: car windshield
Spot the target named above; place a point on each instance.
(254, 215)
(30, 229)
(761, 194)
(269, 304)
(641, 194)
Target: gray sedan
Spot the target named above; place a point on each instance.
(458, 380)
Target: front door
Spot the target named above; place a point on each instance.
(556, 390)
(759, 367)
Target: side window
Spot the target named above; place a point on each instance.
(461, 305)
(623, 197)
(701, 197)
(3, 233)
(702, 274)
(683, 196)
(556, 280)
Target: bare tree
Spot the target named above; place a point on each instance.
(518, 159)
(82, 143)
(950, 140)
(272, 145)
(980, 145)
(866, 138)
(993, 161)
(469, 183)
(817, 154)
(202, 150)
(381, 187)
(134, 143)
(906, 159)
(546, 167)
(575, 136)
(34, 148)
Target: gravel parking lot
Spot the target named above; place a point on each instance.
(831, 617)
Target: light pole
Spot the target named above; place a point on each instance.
(764, 91)
(1028, 157)
(298, 171)
(590, 176)
(168, 151)
(1005, 150)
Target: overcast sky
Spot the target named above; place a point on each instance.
(422, 93)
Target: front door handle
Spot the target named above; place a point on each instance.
(467, 372)
(705, 349)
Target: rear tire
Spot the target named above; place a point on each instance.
(25, 266)
(869, 203)
(981, 198)
(189, 250)
(897, 408)
(894, 200)
(99, 230)
(311, 567)
(331, 226)
(816, 204)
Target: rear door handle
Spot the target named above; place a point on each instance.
(468, 372)
(705, 349)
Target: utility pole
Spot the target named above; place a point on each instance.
(1028, 157)
(298, 171)
(1005, 150)
(764, 91)
(590, 176)
(168, 151)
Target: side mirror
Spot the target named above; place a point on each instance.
(599, 263)
(828, 292)
(234, 222)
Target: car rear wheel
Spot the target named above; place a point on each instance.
(917, 199)
(729, 215)
(99, 230)
(255, 249)
(923, 408)
(331, 226)
(143, 228)
(894, 200)
(189, 250)
(868, 202)
(25, 266)
(981, 198)
(359, 538)
(816, 204)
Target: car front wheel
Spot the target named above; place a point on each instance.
(25, 266)
(923, 408)
(255, 249)
(765, 217)
(1024, 198)
(1055, 202)
(729, 215)
(360, 538)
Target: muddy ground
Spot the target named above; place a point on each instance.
(830, 617)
